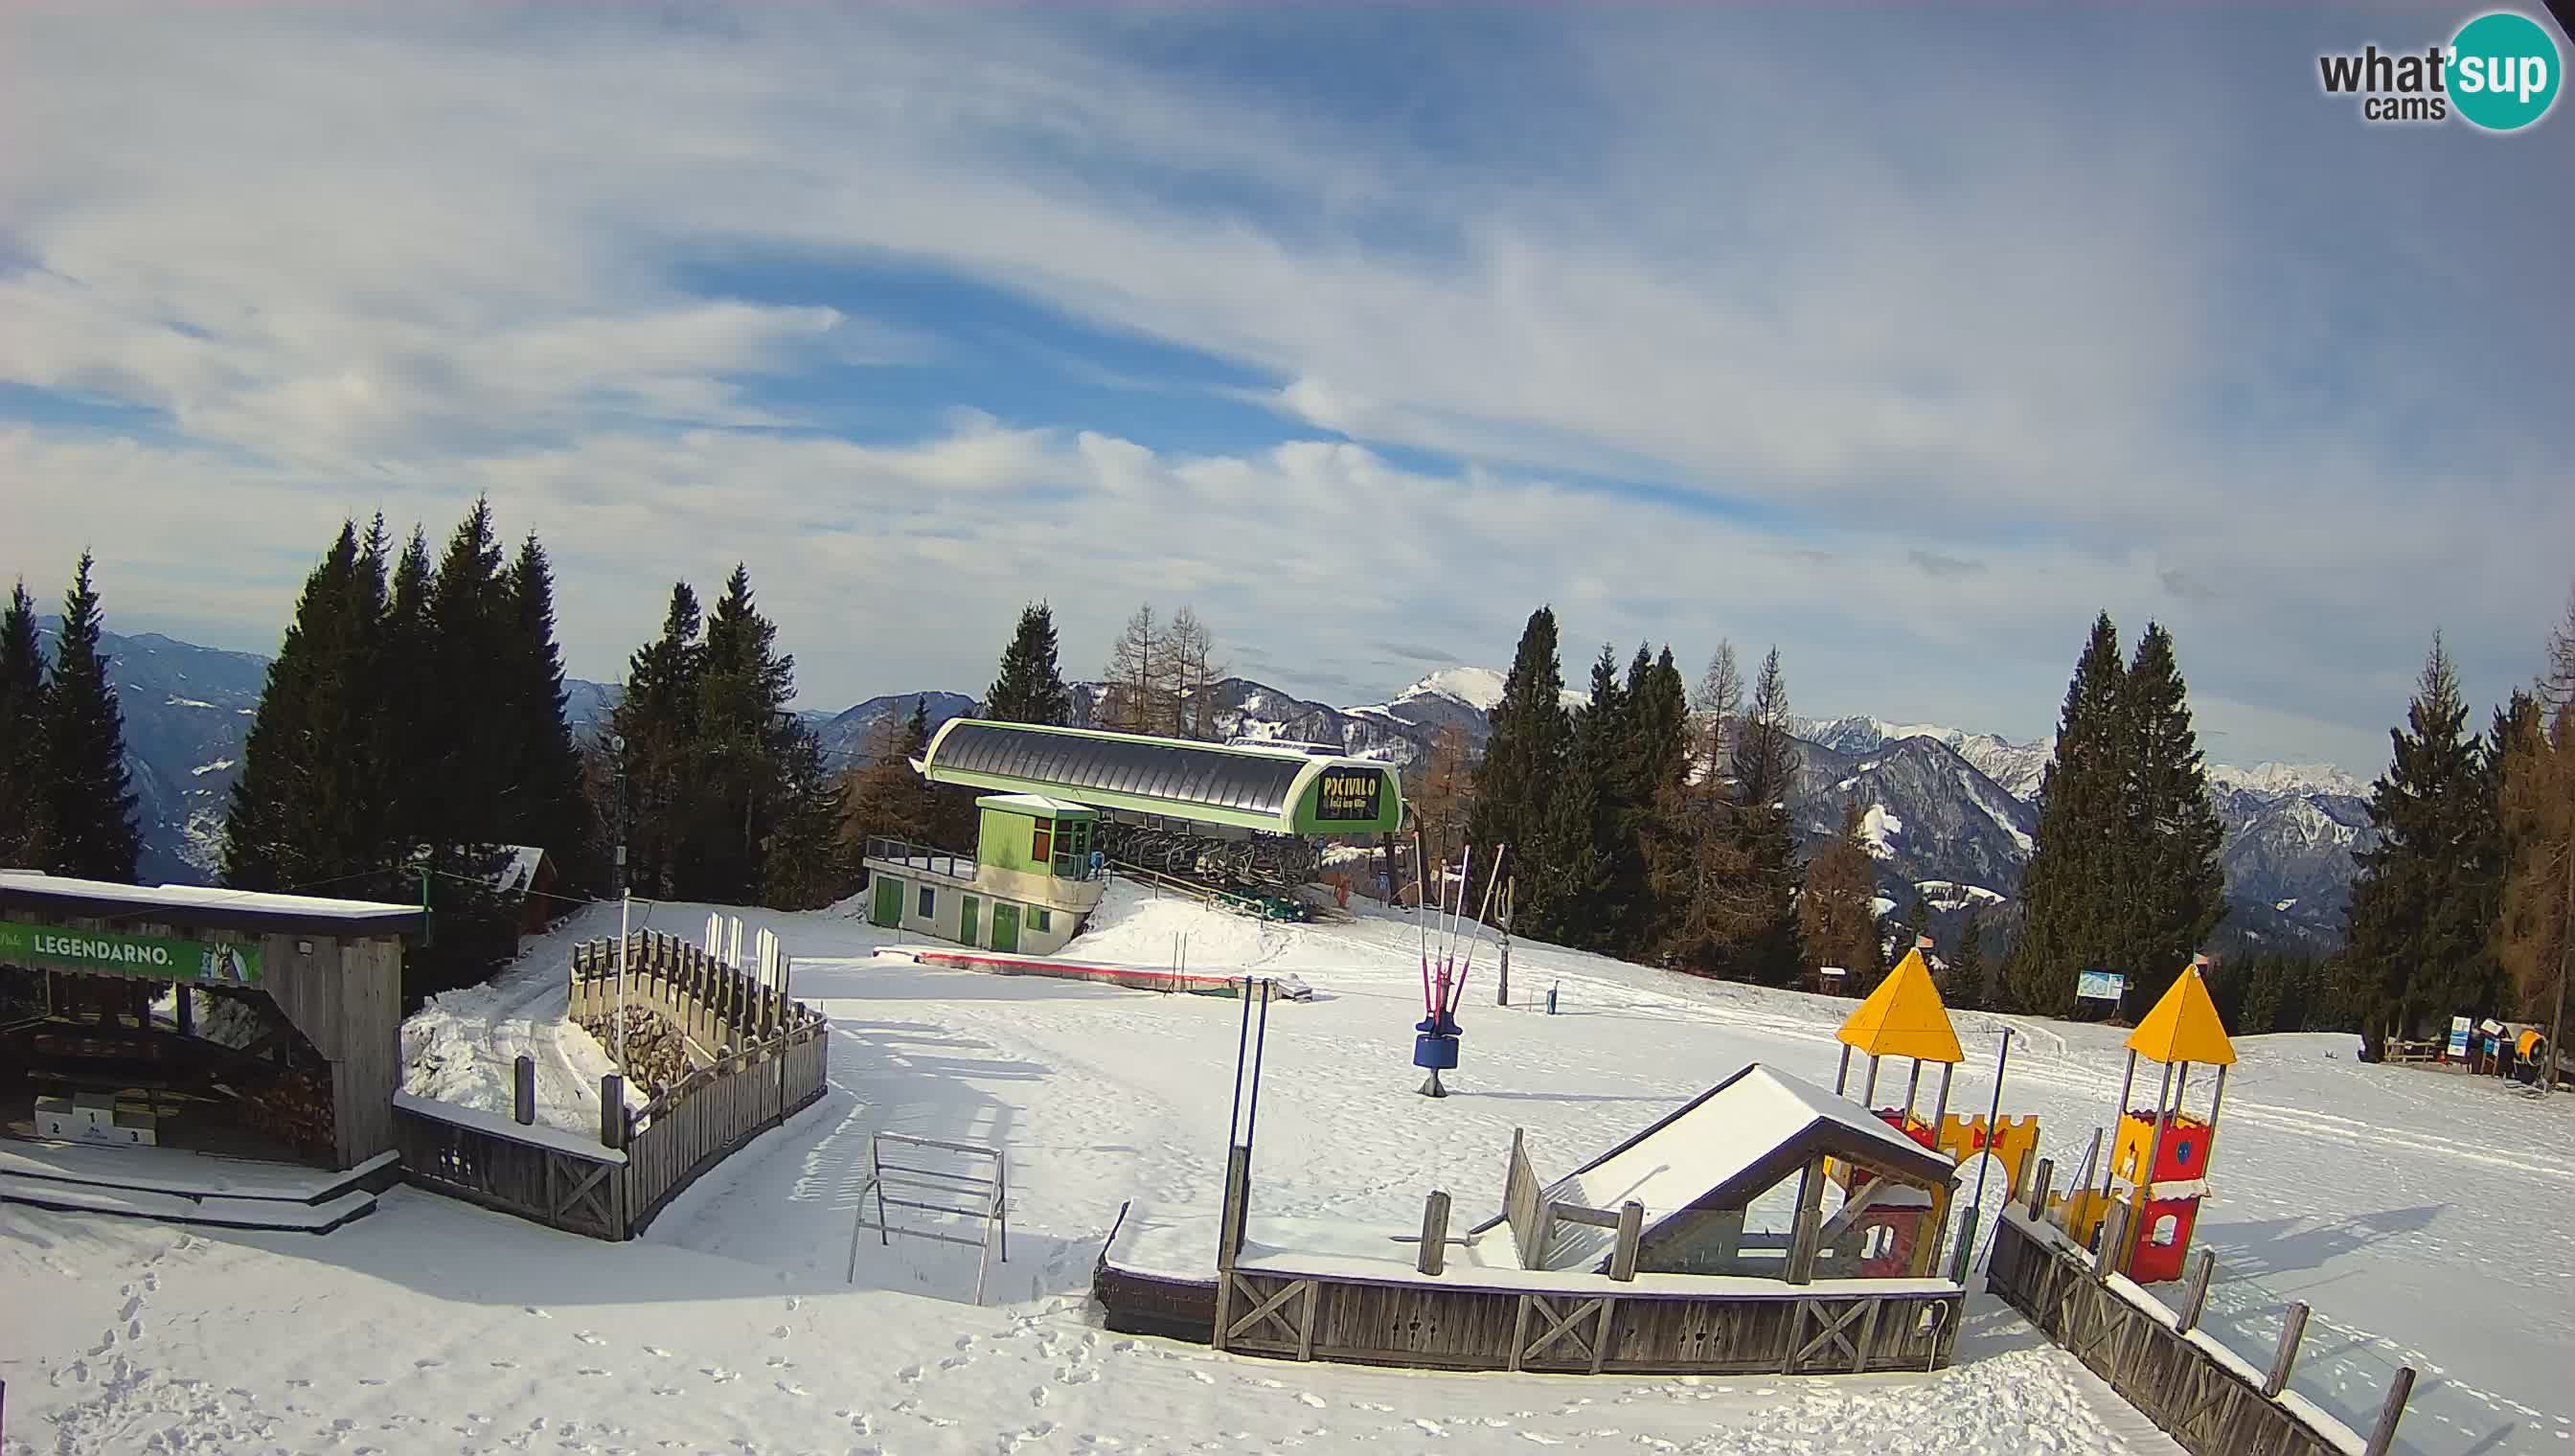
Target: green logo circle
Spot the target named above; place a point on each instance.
(2503, 71)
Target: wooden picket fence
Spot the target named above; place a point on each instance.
(766, 1058)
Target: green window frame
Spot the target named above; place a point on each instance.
(1040, 919)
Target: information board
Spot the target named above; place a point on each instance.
(2100, 985)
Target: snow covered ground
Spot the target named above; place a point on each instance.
(2419, 1214)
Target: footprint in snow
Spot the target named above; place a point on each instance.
(954, 1361)
(427, 1364)
(1038, 1396)
(909, 1373)
(779, 1334)
(505, 1364)
(1371, 1405)
(794, 1303)
(539, 1313)
(1429, 1427)
(589, 1370)
(1310, 1398)
(718, 1373)
(792, 1389)
(668, 1390)
(1541, 1440)
(370, 1380)
(1202, 1377)
(588, 1337)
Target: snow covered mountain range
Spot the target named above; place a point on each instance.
(1949, 810)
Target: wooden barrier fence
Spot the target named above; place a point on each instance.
(766, 1060)
(2211, 1400)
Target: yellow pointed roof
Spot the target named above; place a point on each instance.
(2183, 1027)
(1904, 1016)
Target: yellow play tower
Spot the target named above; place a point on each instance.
(2158, 1164)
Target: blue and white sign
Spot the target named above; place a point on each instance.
(2100, 985)
(2459, 1037)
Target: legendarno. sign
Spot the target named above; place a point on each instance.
(103, 953)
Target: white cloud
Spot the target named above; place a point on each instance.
(386, 256)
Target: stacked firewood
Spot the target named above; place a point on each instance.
(656, 1056)
(295, 1108)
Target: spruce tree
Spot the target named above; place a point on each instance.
(1917, 924)
(804, 867)
(2424, 900)
(552, 811)
(1575, 901)
(1837, 912)
(1653, 758)
(22, 739)
(479, 738)
(88, 824)
(1965, 988)
(1524, 758)
(405, 741)
(307, 807)
(2537, 809)
(2173, 888)
(2069, 919)
(1030, 687)
(657, 717)
(743, 734)
(1764, 776)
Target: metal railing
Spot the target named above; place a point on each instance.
(921, 857)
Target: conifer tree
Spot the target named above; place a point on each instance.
(1439, 792)
(2068, 923)
(1837, 911)
(1524, 758)
(307, 807)
(1576, 900)
(22, 739)
(2168, 832)
(804, 867)
(657, 717)
(2537, 807)
(479, 743)
(88, 824)
(2425, 901)
(405, 741)
(1917, 924)
(1764, 776)
(1965, 988)
(552, 811)
(743, 734)
(1654, 759)
(1030, 687)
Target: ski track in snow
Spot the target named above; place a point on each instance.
(2391, 1200)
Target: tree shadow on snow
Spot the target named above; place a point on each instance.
(2299, 1245)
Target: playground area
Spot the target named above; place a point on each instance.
(2398, 1205)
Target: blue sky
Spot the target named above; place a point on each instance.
(1902, 339)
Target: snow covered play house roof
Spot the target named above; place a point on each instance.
(1719, 1151)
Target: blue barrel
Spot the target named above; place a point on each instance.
(1438, 1053)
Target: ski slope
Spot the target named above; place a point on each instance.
(2411, 1209)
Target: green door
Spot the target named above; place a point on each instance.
(966, 920)
(889, 902)
(1006, 926)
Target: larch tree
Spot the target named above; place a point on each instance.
(22, 738)
(1837, 911)
(1029, 687)
(1131, 690)
(1441, 792)
(2069, 921)
(88, 826)
(2535, 930)
(1189, 675)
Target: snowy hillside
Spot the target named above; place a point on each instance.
(2396, 1201)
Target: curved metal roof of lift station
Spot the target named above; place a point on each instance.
(1274, 789)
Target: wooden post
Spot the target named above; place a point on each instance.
(1842, 1075)
(2039, 1187)
(2292, 1330)
(2202, 1267)
(1632, 1230)
(1810, 1207)
(2383, 1438)
(523, 1092)
(1435, 1233)
(611, 1109)
(2114, 1228)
